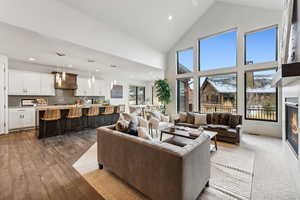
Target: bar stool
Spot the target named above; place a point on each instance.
(51, 115)
(74, 114)
(92, 113)
(107, 115)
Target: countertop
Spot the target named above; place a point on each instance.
(65, 107)
(60, 107)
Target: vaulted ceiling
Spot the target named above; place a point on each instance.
(148, 20)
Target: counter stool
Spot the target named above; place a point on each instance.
(107, 115)
(92, 113)
(120, 109)
(51, 115)
(74, 114)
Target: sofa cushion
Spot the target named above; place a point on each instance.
(190, 118)
(218, 126)
(187, 125)
(182, 117)
(234, 120)
(122, 126)
(224, 118)
(200, 119)
(228, 133)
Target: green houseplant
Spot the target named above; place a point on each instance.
(163, 90)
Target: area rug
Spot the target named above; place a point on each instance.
(231, 175)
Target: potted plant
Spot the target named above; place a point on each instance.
(163, 90)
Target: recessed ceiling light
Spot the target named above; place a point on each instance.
(91, 60)
(61, 54)
(31, 59)
(113, 66)
(70, 66)
(170, 17)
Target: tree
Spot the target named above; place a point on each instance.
(163, 91)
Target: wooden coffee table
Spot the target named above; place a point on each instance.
(180, 132)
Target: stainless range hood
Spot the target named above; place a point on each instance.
(69, 83)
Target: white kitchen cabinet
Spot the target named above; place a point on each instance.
(95, 89)
(30, 83)
(15, 83)
(47, 85)
(19, 118)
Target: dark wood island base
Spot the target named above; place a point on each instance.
(64, 125)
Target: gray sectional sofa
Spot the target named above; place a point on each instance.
(159, 170)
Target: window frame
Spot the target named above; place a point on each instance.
(214, 35)
(178, 96)
(136, 93)
(261, 30)
(199, 88)
(177, 60)
(245, 96)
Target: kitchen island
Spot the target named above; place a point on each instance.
(49, 128)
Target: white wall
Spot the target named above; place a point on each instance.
(219, 18)
(55, 19)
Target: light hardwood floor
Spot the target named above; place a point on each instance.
(42, 169)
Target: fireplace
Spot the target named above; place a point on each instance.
(292, 129)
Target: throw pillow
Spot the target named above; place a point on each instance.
(122, 126)
(143, 133)
(200, 119)
(131, 117)
(132, 129)
(234, 120)
(215, 118)
(165, 118)
(190, 118)
(182, 117)
(224, 118)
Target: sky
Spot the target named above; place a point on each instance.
(220, 51)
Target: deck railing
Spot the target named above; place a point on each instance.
(261, 113)
(211, 108)
(252, 112)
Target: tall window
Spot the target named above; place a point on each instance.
(185, 61)
(261, 96)
(261, 46)
(185, 91)
(218, 51)
(218, 93)
(136, 95)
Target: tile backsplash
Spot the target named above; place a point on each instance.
(61, 97)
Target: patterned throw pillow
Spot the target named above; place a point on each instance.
(132, 129)
(234, 120)
(122, 126)
(224, 118)
(190, 118)
(182, 117)
(200, 119)
(215, 118)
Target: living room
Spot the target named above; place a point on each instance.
(159, 100)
